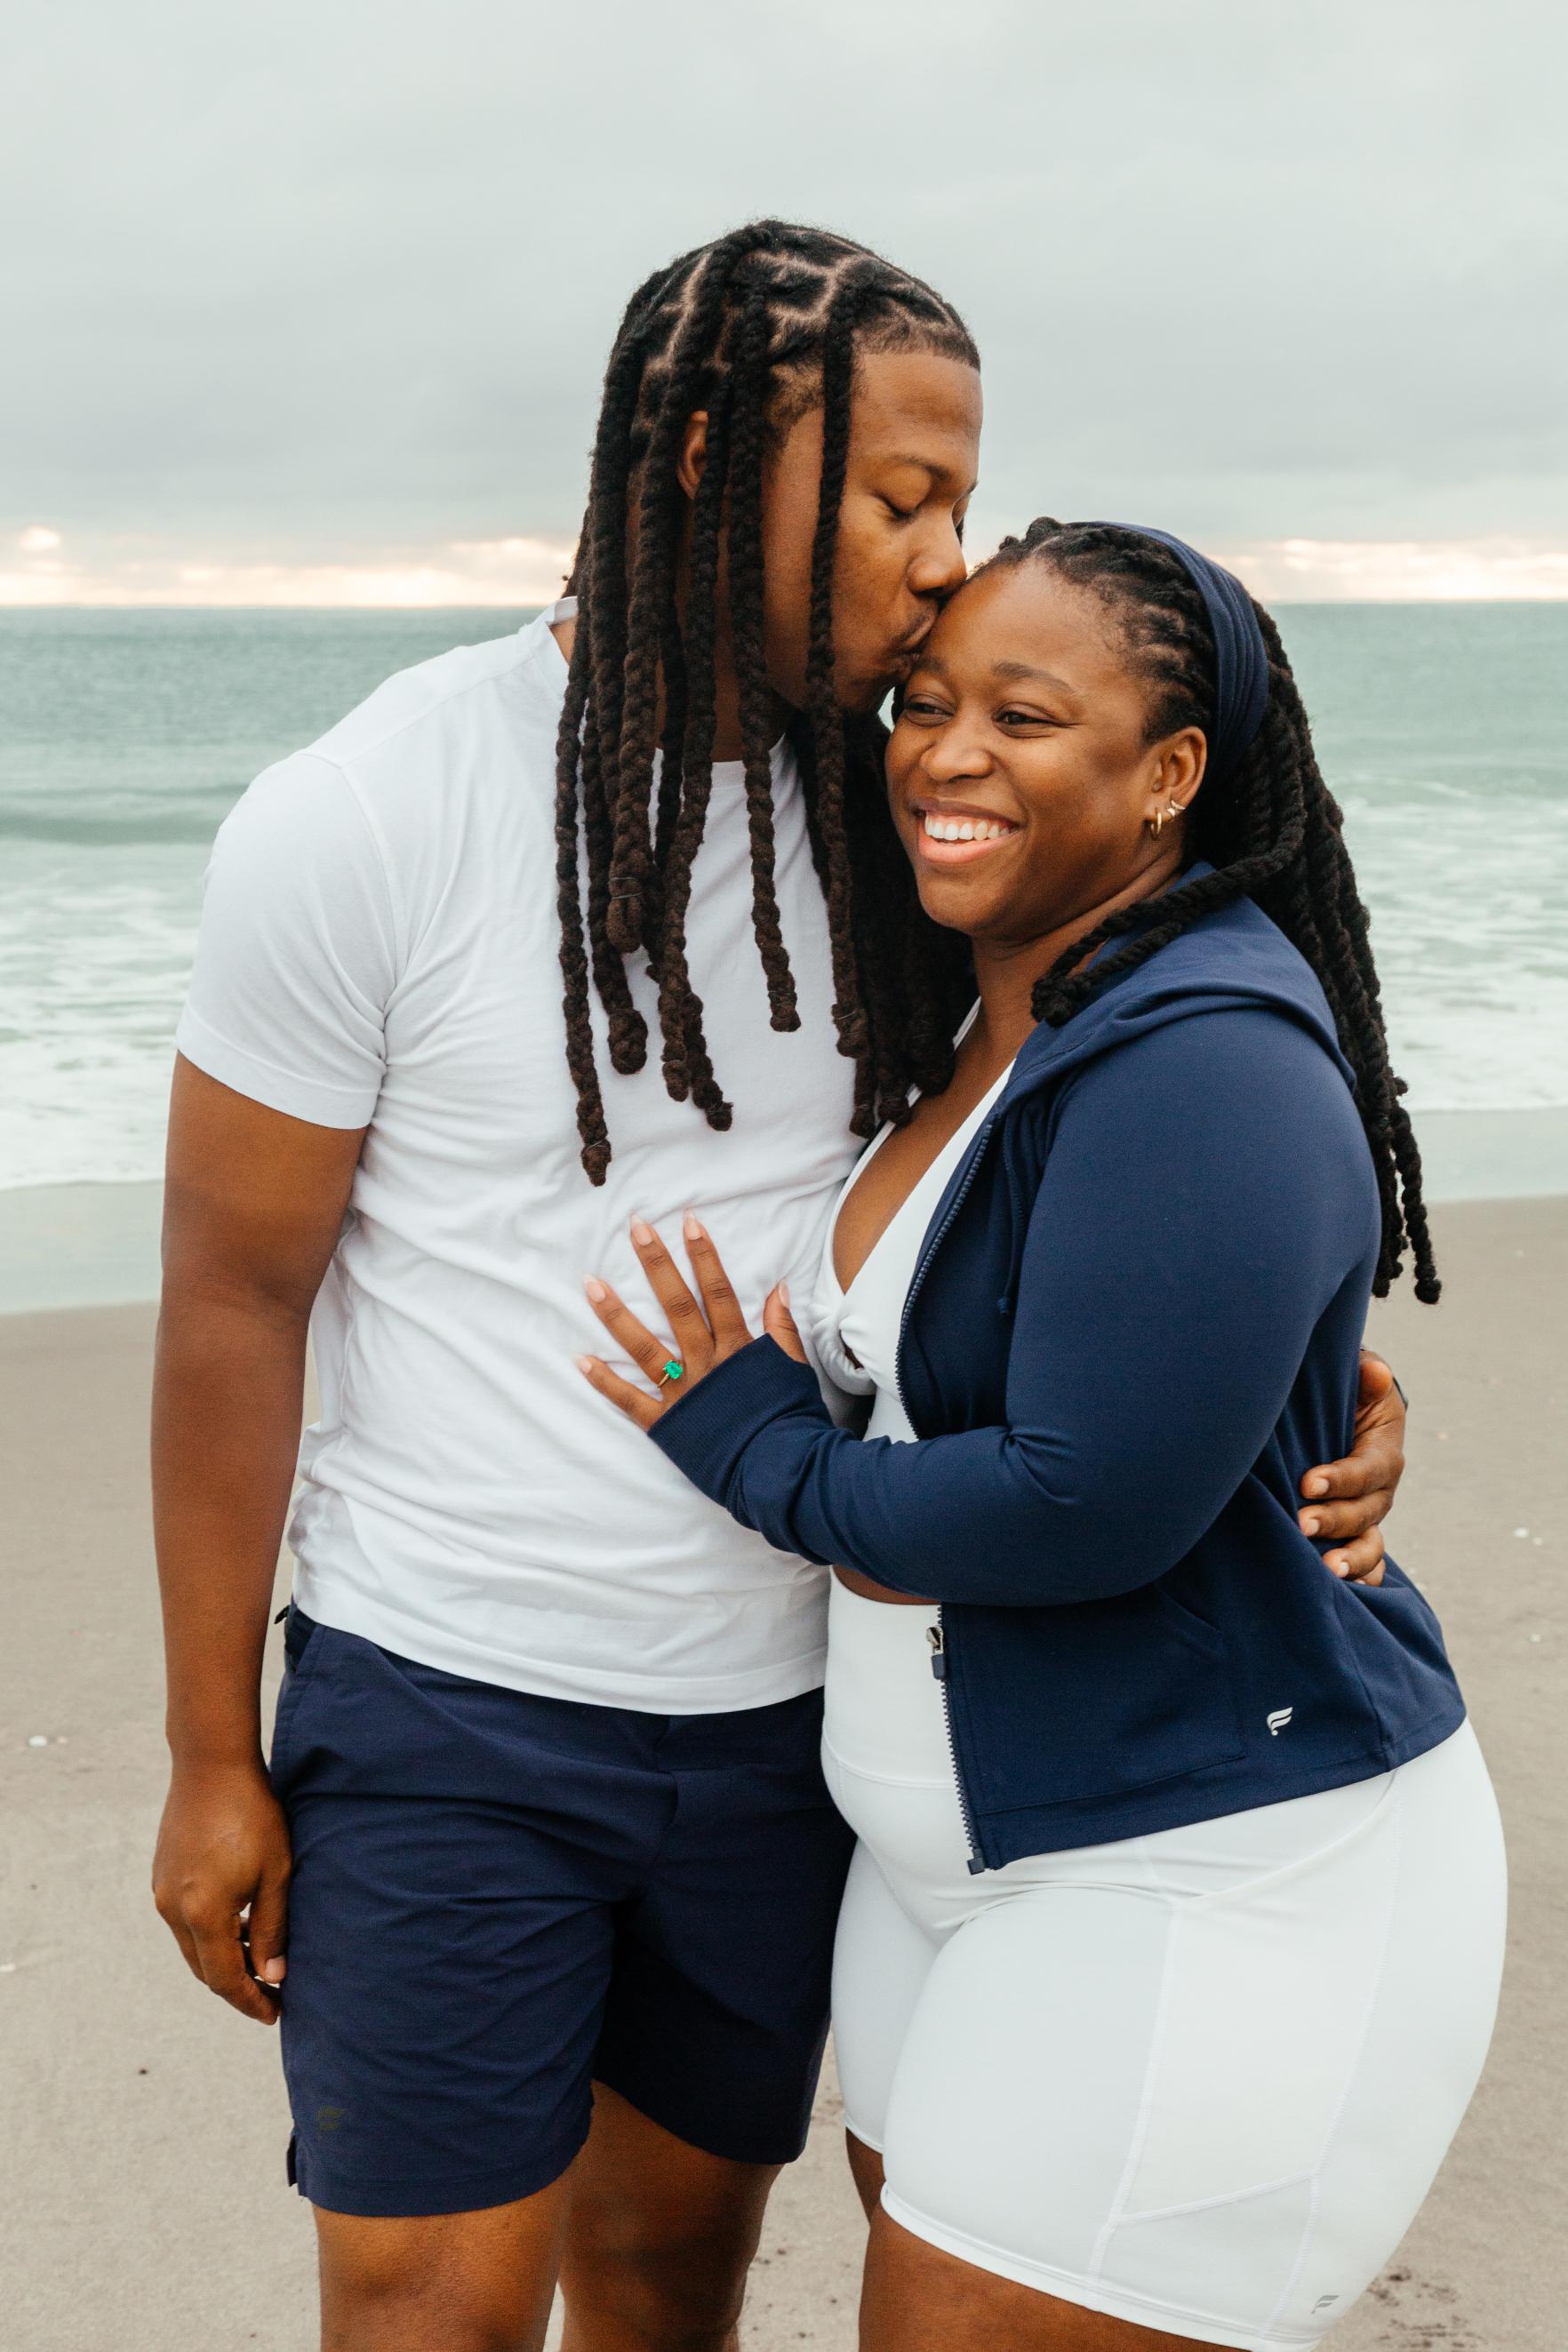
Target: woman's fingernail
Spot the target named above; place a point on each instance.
(690, 1227)
(642, 1232)
(783, 1294)
(1340, 1566)
(596, 1289)
(1310, 1523)
(274, 1971)
(1316, 1485)
(585, 1363)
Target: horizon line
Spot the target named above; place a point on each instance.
(41, 569)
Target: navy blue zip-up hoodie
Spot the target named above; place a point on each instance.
(1134, 1323)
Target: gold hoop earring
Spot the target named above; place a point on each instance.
(1157, 823)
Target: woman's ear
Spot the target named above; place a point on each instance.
(1180, 762)
(693, 452)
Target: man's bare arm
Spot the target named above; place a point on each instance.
(254, 1205)
(1347, 1501)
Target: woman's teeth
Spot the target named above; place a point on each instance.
(963, 829)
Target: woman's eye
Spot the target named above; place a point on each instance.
(1022, 719)
(919, 706)
(899, 514)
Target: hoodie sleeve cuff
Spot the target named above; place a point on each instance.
(706, 1433)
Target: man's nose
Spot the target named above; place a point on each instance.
(939, 568)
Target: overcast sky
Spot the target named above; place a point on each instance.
(320, 291)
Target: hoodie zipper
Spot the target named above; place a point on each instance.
(936, 1636)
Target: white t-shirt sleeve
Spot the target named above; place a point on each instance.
(297, 954)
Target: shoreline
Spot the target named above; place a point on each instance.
(96, 1244)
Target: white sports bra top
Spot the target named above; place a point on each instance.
(856, 1331)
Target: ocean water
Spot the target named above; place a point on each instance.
(125, 737)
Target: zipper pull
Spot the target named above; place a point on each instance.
(938, 1640)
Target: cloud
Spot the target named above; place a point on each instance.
(514, 572)
(506, 572)
(1258, 273)
(1401, 571)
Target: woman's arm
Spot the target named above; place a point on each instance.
(1206, 1194)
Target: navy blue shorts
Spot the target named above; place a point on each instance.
(498, 1899)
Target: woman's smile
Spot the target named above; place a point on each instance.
(955, 832)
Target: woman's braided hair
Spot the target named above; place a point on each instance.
(753, 329)
(1270, 828)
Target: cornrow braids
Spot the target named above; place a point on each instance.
(1272, 831)
(752, 330)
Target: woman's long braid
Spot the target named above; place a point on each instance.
(742, 328)
(1271, 830)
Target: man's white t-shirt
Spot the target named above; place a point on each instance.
(380, 947)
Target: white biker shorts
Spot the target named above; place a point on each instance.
(1200, 2080)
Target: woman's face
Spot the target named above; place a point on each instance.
(1023, 728)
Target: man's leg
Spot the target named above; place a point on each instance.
(659, 2238)
(444, 2281)
(713, 2030)
(459, 1854)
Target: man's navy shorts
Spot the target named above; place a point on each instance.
(500, 1899)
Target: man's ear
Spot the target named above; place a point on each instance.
(693, 452)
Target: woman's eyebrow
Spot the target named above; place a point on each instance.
(1023, 669)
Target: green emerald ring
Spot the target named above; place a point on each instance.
(672, 1371)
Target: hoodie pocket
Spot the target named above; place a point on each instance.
(1068, 1705)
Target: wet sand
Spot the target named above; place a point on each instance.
(141, 2166)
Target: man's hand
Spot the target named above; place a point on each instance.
(220, 1880)
(1347, 1501)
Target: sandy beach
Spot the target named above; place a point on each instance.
(142, 2161)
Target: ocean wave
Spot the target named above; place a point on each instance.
(150, 830)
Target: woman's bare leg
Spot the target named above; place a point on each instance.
(866, 2169)
(918, 2299)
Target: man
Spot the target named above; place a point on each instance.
(544, 1767)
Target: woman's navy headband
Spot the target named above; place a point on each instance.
(1241, 657)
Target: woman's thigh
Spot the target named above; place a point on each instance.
(1213, 2116)
(880, 1962)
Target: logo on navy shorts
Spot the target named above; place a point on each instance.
(1278, 1719)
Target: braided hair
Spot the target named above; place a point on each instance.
(1270, 828)
(755, 329)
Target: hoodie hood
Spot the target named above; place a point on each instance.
(1235, 958)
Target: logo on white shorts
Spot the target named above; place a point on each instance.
(1278, 1719)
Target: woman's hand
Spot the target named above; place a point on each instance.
(702, 1335)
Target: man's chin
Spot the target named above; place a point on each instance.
(863, 698)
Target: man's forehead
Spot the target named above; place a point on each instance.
(917, 408)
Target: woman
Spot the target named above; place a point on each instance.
(1139, 1790)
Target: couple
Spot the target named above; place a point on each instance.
(1169, 1946)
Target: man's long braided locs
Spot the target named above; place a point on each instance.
(751, 330)
(1272, 830)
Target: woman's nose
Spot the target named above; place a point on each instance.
(958, 751)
